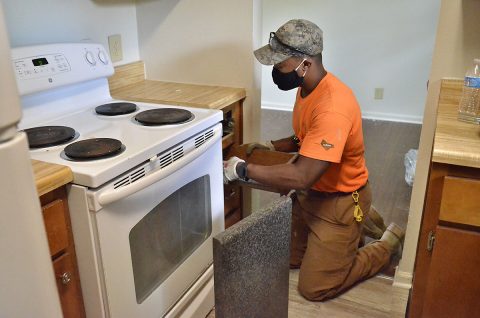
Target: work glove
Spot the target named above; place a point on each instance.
(266, 145)
(230, 169)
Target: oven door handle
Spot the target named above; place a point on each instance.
(111, 195)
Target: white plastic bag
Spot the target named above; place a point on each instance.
(410, 164)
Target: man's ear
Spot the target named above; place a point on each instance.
(306, 63)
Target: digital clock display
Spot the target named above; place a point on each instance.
(39, 62)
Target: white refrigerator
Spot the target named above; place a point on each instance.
(27, 282)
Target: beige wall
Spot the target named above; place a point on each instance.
(204, 42)
(457, 44)
(41, 22)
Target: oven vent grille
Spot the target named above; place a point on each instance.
(122, 182)
(200, 140)
(209, 134)
(140, 173)
(171, 157)
(131, 178)
(164, 160)
(177, 153)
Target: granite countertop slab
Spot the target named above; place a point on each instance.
(251, 264)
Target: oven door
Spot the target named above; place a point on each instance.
(155, 243)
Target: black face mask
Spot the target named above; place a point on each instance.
(287, 81)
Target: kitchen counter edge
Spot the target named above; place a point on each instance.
(49, 176)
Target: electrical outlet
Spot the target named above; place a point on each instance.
(379, 93)
(115, 47)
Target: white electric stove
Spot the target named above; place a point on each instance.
(140, 142)
(144, 210)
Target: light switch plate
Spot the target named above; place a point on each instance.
(115, 47)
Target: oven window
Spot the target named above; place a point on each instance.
(169, 234)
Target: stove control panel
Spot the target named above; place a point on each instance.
(39, 66)
(43, 67)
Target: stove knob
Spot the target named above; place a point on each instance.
(103, 57)
(90, 58)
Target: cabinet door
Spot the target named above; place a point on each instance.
(56, 226)
(60, 239)
(453, 283)
(68, 285)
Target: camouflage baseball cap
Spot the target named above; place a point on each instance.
(295, 38)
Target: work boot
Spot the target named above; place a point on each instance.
(393, 236)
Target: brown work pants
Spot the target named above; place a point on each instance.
(325, 240)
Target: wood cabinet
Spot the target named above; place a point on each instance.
(446, 280)
(62, 251)
(232, 138)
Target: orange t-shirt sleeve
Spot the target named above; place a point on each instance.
(327, 137)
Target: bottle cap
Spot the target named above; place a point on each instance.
(476, 61)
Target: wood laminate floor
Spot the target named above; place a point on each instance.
(373, 298)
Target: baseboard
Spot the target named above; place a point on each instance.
(366, 114)
(402, 279)
(281, 107)
(399, 118)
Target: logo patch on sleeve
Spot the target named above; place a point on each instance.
(326, 145)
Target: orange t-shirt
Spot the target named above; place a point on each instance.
(328, 123)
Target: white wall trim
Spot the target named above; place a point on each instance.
(366, 115)
(272, 106)
(392, 117)
(402, 279)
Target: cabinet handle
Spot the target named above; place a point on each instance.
(66, 278)
(431, 241)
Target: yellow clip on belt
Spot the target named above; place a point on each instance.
(357, 212)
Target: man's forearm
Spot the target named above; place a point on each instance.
(300, 174)
(283, 176)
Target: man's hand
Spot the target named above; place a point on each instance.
(230, 169)
(266, 145)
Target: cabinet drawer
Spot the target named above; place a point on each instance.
(231, 198)
(460, 201)
(68, 285)
(56, 226)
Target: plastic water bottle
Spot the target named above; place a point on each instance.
(469, 109)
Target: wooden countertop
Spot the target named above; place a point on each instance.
(456, 142)
(149, 91)
(129, 83)
(49, 176)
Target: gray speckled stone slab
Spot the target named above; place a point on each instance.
(251, 264)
